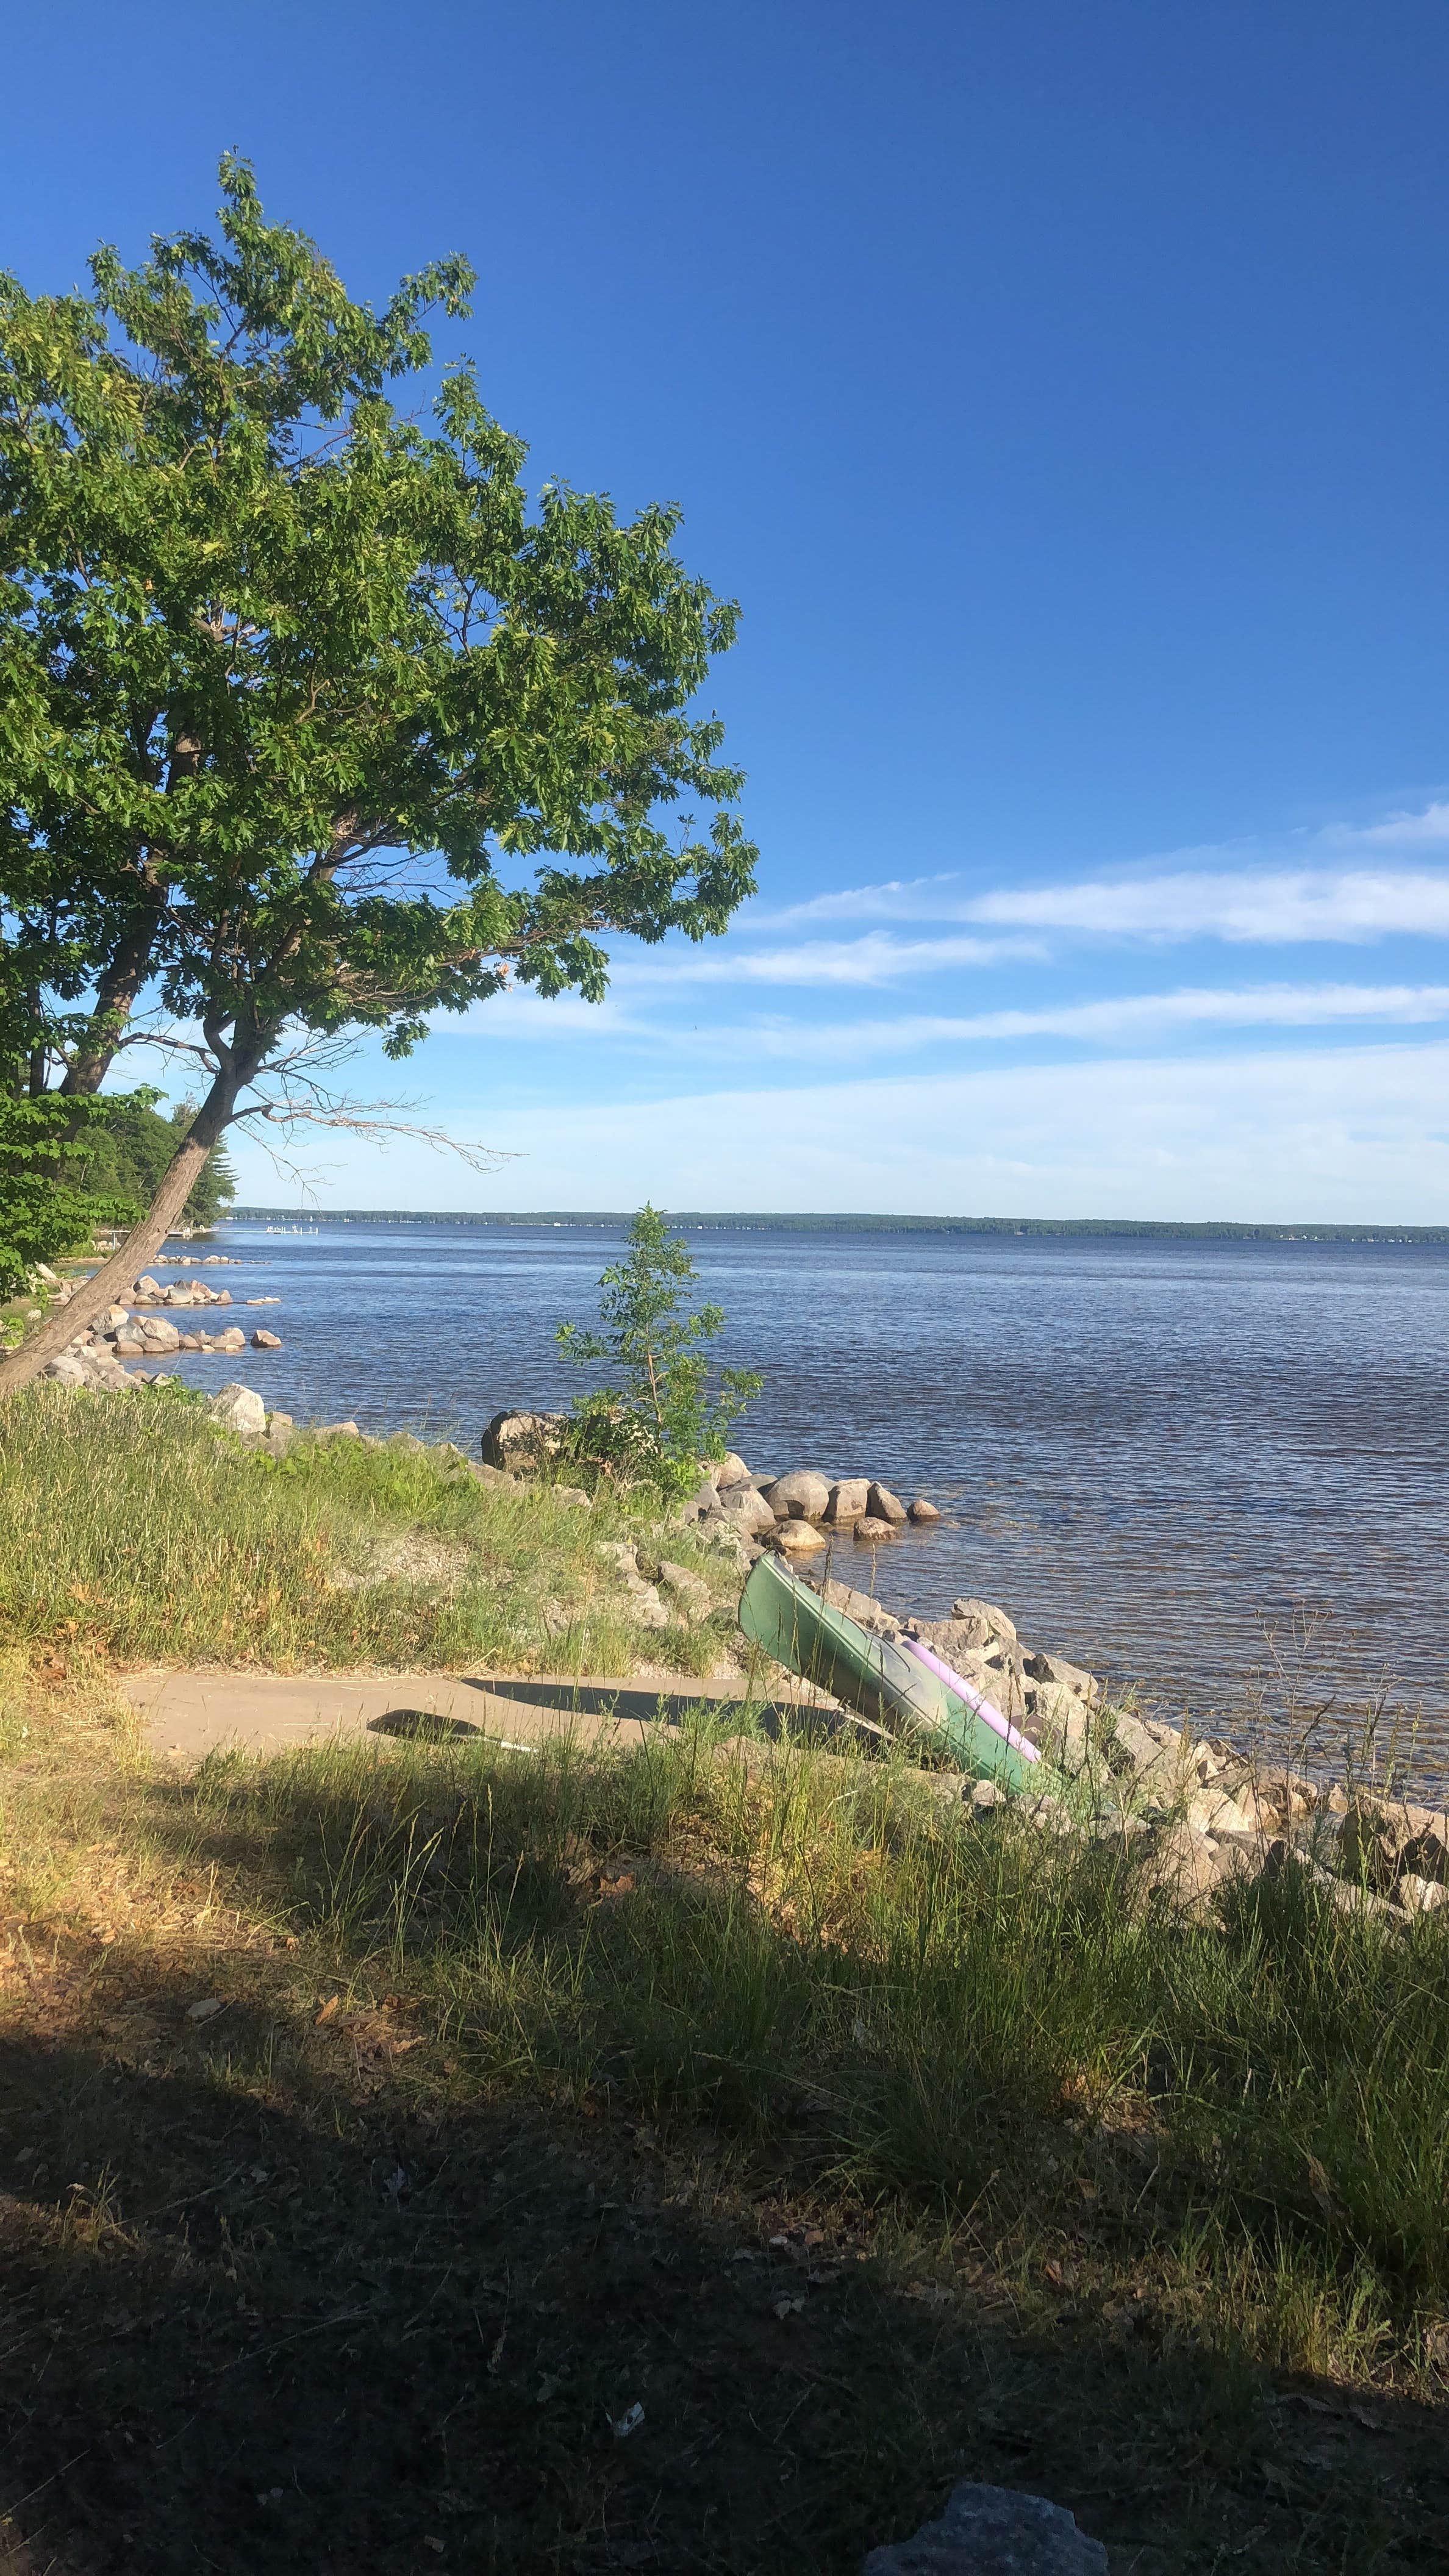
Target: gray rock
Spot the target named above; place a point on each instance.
(847, 1501)
(862, 1608)
(336, 1430)
(957, 1641)
(993, 2531)
(993, 1622)
(521, 1443)
(65, 1371)
(264, 1341)
(921, 1510)
(1055, 1668)
(873, 1529)
(158, 1333)
(690, 1595)
(729, 1470)
(239, 1409)
(883, 1505)
(800, 1496)
(1380, 1839)
(746, 1510)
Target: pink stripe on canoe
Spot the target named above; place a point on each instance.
(973, 1698)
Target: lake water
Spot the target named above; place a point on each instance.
(1218, 1469)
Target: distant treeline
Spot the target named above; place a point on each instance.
(714, 1221)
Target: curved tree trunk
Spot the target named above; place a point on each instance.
(112, 1283)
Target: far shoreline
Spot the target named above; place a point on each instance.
(720, 1221)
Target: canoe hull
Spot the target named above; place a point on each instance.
(793, 1625)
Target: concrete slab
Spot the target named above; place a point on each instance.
(188, 1715)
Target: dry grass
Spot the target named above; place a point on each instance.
(864, 2147)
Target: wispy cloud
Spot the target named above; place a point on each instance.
(896, 899)
(874, 959)
(1302, 905)
(1119, 1019)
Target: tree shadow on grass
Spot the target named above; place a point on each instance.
(274, 2296)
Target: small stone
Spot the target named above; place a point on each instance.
(338, 1431)
(800, 1496)
(265, 1341)
(883, 1505)
(873, 1530)
(921, 1510)
(993, 2531)
(239, 1409)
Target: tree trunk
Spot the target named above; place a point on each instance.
(112, 1283)
(115, 1000)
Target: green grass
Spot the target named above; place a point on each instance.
(129, 1525)
(1121, 2182)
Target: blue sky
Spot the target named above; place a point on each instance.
(1063, 394)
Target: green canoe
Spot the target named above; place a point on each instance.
(811, 1637)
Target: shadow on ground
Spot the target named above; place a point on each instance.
(274, 2297)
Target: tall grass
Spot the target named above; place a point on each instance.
(894, 2002)
(130, 1525)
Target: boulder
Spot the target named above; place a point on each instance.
(112, 1320)
(956, 1641)
(1183, 1863)
(847, 1501)
(159, 1333)
(873, 1530)
(920, 1510)
(338, 1431)
(264, 1341)
(797, 1538)
(883, 1505)
(746, 1510)
(689, 1594)
(1420, 1895)
(729, 1470)
(1379, 1840)
(521, 1443)
(993, 2531)
(66, 1371)
(239, 1409)
(862, 1608)
(994, 1622)
(1055, 1668)
(233, 1339)
(1059, 1724)
(800, 1496)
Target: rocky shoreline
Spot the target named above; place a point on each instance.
(1198, 1811)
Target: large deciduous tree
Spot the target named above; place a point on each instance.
(311, 723)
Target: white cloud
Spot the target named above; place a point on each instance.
(875, 959)
(898, 899)
(1342, 1133)
(1120, 1018)
(1357, 905)
(1428, 829)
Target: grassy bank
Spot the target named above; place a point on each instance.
(382, 2124)
(129, 1526)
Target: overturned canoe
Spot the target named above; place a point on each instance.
(811, 1637)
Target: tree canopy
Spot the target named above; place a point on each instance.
(312, 722)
